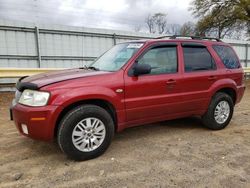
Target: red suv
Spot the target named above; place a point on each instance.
(131, 84)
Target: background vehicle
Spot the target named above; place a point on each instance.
(134, 83)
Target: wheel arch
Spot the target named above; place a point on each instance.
(230, 91)
(227, 86)
(109, 107)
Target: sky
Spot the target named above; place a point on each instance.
(109, 14)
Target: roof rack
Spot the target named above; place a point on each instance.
(191, 37)
(164, 36)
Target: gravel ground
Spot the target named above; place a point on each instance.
(178, 153)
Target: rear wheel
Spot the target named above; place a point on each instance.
(85, 132)
(219, 112)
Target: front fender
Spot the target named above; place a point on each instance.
(65, 97)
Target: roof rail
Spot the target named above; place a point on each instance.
(192, 37)
(164, 36)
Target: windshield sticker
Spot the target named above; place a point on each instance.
(135, 45)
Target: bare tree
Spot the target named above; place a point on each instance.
(160, 22)
(174, 29)
(188, 29)
(150, 24)
(157, 23)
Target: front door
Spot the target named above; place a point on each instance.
(155, 95)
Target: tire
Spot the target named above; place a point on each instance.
(213, 121)
(78, 140)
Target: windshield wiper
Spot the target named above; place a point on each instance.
(84, 67)
(93, 68)
(90, 67)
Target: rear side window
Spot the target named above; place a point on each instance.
(227, 56)
(197, 59)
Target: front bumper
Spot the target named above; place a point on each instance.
(39, 121)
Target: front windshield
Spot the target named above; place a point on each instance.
(116, 57)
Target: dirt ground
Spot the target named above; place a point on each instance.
(178, 153)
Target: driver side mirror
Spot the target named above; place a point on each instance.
(140, 69)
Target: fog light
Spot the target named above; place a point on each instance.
(24, 129)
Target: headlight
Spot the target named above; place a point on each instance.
(34, 98)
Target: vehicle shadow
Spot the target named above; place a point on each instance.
(129, 135)
(170, 126)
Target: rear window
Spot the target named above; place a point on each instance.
(197, 59)
(227, 56)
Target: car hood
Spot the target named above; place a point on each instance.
(44, 79)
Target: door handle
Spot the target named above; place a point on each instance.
(212, 77)
(171, 82)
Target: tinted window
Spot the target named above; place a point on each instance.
(197, 59)
(227, 56)
(161, 59)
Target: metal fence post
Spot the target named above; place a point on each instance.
(38, 46)
(246, 60)
(114, 39)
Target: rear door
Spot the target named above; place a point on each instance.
(199, 73)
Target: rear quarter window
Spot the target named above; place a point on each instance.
(227, 56)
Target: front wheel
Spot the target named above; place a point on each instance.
(219, 112)
(85, 132)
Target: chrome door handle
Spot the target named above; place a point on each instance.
(171, 82)
(212, 78)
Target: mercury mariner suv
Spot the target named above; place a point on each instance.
(133, 83)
